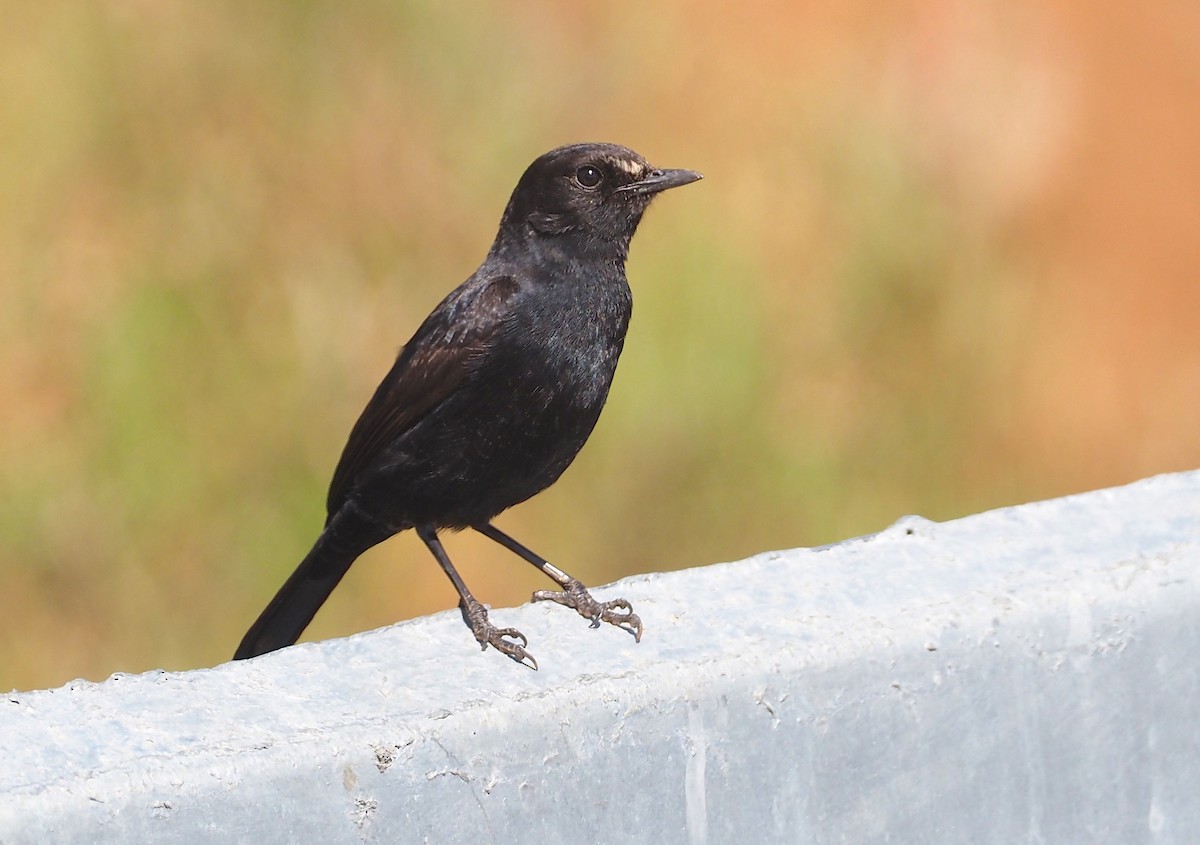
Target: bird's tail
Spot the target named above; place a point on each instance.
(346, 536)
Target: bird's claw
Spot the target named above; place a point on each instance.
(504, 640)
(617, 612)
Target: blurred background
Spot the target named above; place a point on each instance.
(945, 259)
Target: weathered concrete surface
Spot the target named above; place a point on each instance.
(1024, 675)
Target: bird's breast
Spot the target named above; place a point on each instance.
(572, 344)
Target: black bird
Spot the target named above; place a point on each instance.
(494, 395)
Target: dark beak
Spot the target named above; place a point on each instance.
(657, 181)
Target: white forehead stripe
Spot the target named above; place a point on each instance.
(633, 168)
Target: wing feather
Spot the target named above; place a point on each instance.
(428, 369)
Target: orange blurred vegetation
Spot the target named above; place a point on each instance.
(945, 259)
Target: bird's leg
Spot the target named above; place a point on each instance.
(474, 613)
(617, 612)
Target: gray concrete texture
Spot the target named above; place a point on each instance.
(1027, 675)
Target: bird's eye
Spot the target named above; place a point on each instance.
(588, 176)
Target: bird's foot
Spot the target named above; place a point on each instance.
(504, 640)
(616, 612)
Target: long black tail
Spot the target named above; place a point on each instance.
(347, 535)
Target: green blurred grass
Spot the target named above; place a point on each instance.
(221, 220)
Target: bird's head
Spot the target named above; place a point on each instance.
(586, 198)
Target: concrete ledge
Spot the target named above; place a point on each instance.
(1024, 675)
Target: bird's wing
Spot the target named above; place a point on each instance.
(428, 369)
